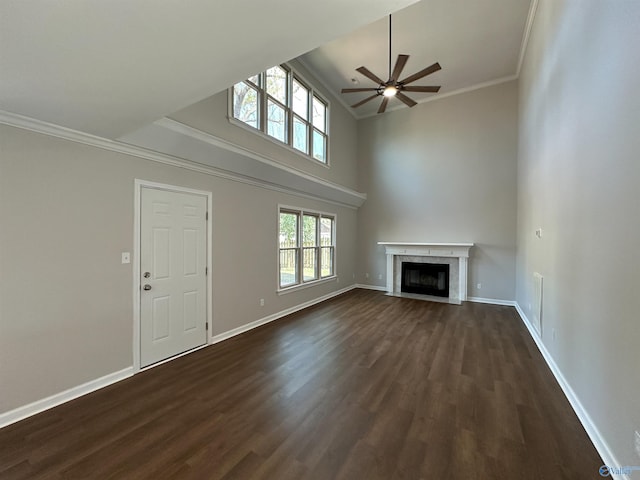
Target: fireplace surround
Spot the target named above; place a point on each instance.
(454, 254)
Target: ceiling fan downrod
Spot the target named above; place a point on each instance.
(389, 77)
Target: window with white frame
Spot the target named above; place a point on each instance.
(306, 246)
(280, 104)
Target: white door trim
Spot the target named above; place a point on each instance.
(137, 204)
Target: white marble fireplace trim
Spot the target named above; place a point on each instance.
(447, 250)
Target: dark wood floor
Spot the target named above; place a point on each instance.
(364, 386)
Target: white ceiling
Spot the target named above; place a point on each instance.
(475, 42)
(109, 67)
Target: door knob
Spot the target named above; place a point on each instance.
(146, 274)
(147, 287)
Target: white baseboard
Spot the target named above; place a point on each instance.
(371, 287)
(600, 444)
(275, 316)
(38, 406)
(492, 301)
(594, 434)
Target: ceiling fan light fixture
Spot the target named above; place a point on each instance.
(390, 91)
(394, 86)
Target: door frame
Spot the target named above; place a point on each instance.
(137, 214)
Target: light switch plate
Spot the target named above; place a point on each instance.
(126, 257)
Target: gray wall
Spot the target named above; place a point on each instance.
(66, 300)
(578, 177)
(211, 115)
(443, 171)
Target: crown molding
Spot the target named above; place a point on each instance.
(533, 8)
(459, 91)
(180, 140)
(523, 49)
(292, 181)
(192, 132)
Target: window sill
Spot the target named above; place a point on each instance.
(275, 141)
(302, 286)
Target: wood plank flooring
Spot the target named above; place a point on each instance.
(363, 386)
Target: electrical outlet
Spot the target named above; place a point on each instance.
(126, 257)
(553, 334)
(337, 279)
(262, 302)
(366, 275)
(379, 276)
(479, 286)
(529, 307)
(637, 442)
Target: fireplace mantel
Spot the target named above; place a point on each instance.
(413, 249)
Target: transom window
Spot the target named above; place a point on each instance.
(279, 103)
(306, 247)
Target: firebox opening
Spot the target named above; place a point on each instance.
(425, 278)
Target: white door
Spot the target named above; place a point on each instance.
(173, 297)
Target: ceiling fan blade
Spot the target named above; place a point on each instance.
(383, 105)
(406, 100)
(422, 73)
(397, 70)
(367, 73)
(362, 102)
(353, 90)
(421, 89)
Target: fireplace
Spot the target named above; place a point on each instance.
(455, 255)
(425, 278)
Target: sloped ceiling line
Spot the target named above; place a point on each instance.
(527, 32)
(109, 68)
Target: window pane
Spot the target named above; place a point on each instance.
(277, 84)
(300, 139)
(288, 267)
(255, 79)
(300, 99)
(310, 268)
(319, 146)
(245, 104)
(326, 231)
(309, 230)
(326, 261)
(319, 114)
(276, 121)
(288, 230)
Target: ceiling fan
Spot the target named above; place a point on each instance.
(394, 87)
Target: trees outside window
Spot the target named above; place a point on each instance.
(306, 247)
(280, 104)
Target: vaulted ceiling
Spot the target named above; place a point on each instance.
(475, 42)
(109, 67)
